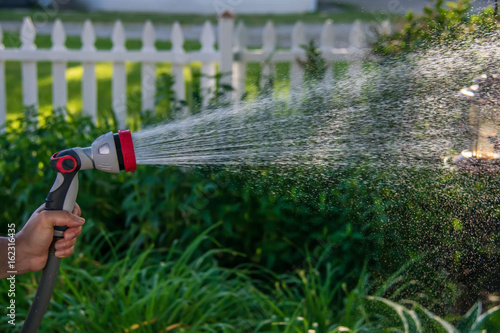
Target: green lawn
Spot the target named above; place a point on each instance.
(347, 13)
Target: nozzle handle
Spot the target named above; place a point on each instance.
(62, 195)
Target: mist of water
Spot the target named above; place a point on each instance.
(406, 113)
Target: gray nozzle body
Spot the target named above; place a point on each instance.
(101, 155)
(104, 153)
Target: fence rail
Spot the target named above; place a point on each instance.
(232, 56)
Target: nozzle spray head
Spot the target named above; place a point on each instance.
(114, 152)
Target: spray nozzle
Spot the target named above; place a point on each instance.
(114, 152)
(111, 152)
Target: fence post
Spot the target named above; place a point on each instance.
(357, 43)
(119, 80)
(239, 65)
(89, 83)
(29, 68)
(178, 63)
(207, 68)
(326, 46)
(226, 26)
(59, 84)
(3, 95)
(385, 28)
(268, 48)
(296, 70)
(148, 69)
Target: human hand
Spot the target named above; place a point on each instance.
(33, 241)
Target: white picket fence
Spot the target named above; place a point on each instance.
(232, 56)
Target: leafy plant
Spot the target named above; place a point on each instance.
(149, 290)
(219, 96)
(165, 92)
(273, 219)
(265, 82)
(323, 303)
(314, 65)
(357, 218)
(437, 26)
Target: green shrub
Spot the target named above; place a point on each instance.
(438, 25)
(154, 290)
(150, 290)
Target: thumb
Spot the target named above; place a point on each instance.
(52, 218)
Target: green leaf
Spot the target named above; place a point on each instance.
(488, 321)
(468, 321)
(457, 225)
(431, 322)
(393, 315)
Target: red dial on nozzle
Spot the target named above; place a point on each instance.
(65, 163)
(127, 150)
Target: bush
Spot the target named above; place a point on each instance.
(144, 291)
(273, 219)
(452, 217)
(154, 290)
(437, 26)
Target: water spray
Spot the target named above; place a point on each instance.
(109, 153)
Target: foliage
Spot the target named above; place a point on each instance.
(164, 204)
(164, 91)
(143, 291)
(154, 290)
(169, 107)
(24, 159)
(315, 65)
(451, 217)
(454, 218)
(438, 25)
(312, 301)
